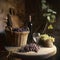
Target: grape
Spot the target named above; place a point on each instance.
(26, 48)
(30, 47)
(21, 29)
(15, 29)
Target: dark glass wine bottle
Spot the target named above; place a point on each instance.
(30, 38)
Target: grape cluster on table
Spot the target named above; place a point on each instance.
(21, 29)
(30, 47)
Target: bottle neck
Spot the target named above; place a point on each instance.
(30, 24)
(29, 18)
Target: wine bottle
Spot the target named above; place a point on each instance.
(30, 38)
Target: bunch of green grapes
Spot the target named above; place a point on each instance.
(47, 37)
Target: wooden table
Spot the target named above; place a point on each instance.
(43, 53)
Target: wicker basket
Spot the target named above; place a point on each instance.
(16, 38)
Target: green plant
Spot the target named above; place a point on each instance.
(49, 14)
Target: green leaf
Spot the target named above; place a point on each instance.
(50, 26)
(44, 6)
(43, 1)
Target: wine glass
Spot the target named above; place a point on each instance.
(36, 37)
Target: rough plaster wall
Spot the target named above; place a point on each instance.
(18, 5)
(5, 6)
